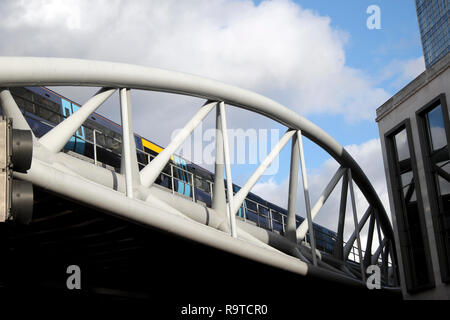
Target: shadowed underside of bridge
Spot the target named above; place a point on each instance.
(122, 262)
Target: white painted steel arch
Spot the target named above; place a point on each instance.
(54, 170)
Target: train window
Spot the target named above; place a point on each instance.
(252, 216)
(88, 134)
(263, 210)
(89, 150)
(167, 169)
(278, 227)
(201, 183)
(142, 158)
(22, 92)
(38, 128)
(47, 104)
(37, 105)
(198, 182)
(263, 222)
(152, 153)
(433, 120)
(251, 205)
(113, 145)
(66, 112)
(100, 137)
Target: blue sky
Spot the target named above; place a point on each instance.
(369, 50)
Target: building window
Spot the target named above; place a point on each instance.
(434, 124)
(409, 210)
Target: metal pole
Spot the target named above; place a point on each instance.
(131, 168)
(219, 202)
(385, 262)
(257, 214)
(339, 246)
(226, 151)
(171, 176)
(11, 110)
(368, 253)
(307, 201)
(271, 219)
(291, 230)
(378, 227)
(94, 134)
(56, 139)
(211, 189)
(193, 187)
(376, 255)
(355, 220)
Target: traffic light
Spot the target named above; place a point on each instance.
(16, 152)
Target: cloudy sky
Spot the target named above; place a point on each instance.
(315, 57)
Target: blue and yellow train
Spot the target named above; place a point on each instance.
(44, 109)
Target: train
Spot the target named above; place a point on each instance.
(99, 140)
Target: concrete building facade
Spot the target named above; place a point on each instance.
(414, 129)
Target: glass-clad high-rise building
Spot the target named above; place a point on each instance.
(433, 17)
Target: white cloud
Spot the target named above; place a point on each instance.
(272, 191)
(276, 48)
(400, 72)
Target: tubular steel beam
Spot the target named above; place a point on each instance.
(11, 110)
(243, 192)
(144, 213)
(368, 252)
(219, 202)
(312, 239)
(377, 252)
(339, 245)
(56, 139)
(291, 226)
(129, 158)
(226, 151)
(355, 220)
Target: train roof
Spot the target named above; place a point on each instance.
(102, 120)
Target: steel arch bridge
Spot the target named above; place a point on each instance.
(133, 194)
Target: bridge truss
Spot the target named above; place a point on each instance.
(134, 195)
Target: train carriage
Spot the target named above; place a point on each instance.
(99, 141)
